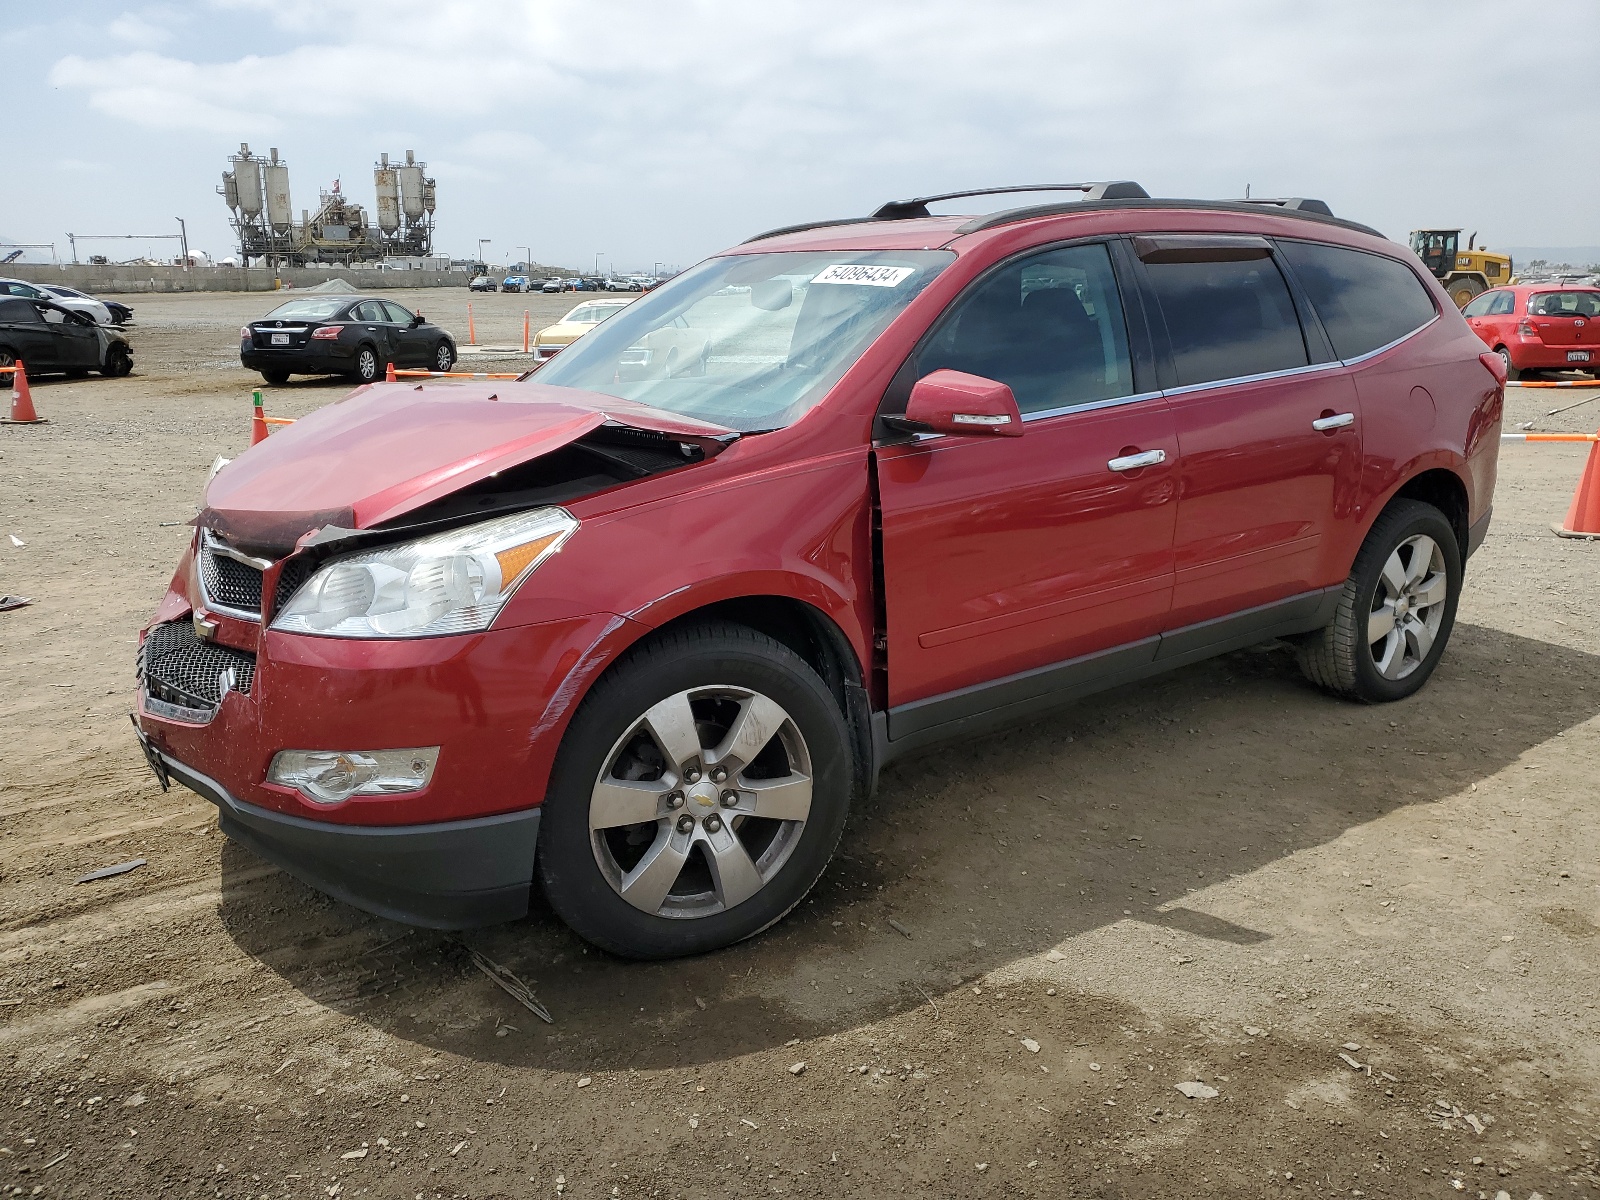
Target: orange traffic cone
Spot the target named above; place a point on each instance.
(258, 423)
(22, 410)
(1583, 518)
(388, 373)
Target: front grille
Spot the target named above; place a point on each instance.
(179, 668)
(230, 583)
(295, 572)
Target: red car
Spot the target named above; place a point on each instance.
(1540, 326)
(640, 628)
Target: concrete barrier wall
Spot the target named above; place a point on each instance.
(121, 279)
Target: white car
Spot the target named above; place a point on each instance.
(66, 297)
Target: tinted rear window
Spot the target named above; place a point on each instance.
(1227, 319)
(306, 310)
(1365, 300)
(1564, 304)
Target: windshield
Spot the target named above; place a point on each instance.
(307, 309)
(1564, 304)
(591, 314)
(750, 342)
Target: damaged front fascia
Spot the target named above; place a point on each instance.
(610, 456)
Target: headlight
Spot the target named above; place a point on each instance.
(331, 776)
(452, 582)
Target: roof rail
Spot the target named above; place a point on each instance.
(1120, 189)
(1298, 203)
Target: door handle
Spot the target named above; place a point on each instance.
(1337, 421)
(1132, 462)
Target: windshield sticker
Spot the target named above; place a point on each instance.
(868, 275)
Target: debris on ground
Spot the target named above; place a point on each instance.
(109, 872)
(898, 928)
(508, 982)
(9, 602)
(1196, 1090)
(1031, 1046)
(798, 1068)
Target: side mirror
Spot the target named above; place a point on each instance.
(416, 320)
(957, 403)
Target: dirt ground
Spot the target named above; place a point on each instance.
(1375, 932)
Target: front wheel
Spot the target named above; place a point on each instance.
(118, 362)
(697, 796)
(444, 356)
(1396, 611)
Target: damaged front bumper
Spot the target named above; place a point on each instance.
(448, 875)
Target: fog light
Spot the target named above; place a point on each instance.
(331, 776)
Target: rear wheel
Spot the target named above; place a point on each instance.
(444, 356)
(1505, 357)
(117, 362)
(697, 796)
(1396, 611)
(1464, 289)
(276, 378)
(369, 366)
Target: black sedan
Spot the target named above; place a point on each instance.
(342, 335)
(47, 337)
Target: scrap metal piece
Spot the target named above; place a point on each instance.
(509, 983)
(108, 872)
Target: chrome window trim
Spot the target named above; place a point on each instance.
(1189, 388)
(1361, 358)
(209, 544)
(1090, 406)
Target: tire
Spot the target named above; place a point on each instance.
(1464, 290)
(369, 365)
(117, 362)
(1505, 357)
(686, 865)
(444, 356)
(1343, 658)
(275, 378)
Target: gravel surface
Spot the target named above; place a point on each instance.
(1372, 933)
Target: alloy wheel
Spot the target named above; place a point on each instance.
(367, 366)
(443, 358)
(701, 802)
(1408, 607)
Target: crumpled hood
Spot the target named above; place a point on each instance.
(389, 448)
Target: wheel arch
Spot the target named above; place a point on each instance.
(1444, 490)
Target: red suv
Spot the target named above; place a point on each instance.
(1541, 326)
(641, 627)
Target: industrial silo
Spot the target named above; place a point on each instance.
(247, 182)
(280, 214)
(387, 184)
(411, 199)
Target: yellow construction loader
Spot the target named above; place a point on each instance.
(1464, 273)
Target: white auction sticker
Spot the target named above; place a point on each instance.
(864, 274)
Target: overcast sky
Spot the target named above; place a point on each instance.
(650, 130)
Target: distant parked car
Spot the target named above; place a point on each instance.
(49, 337)
(552, 285)
(121, 314)
(480, 283)
(83, 302)
(552, 339)
(64, 296)
(1540, 326)
(342, 335)
(515, 283)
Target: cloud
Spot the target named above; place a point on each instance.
(693, 122)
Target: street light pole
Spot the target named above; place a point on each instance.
(527, 257)
(482, 242)
(597, 255)
(183, 238)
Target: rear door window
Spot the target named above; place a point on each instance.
(1226, 320)
(1505, 303)
(19, 312)
(370, 311)
(1049, 326)
(1365, 301)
